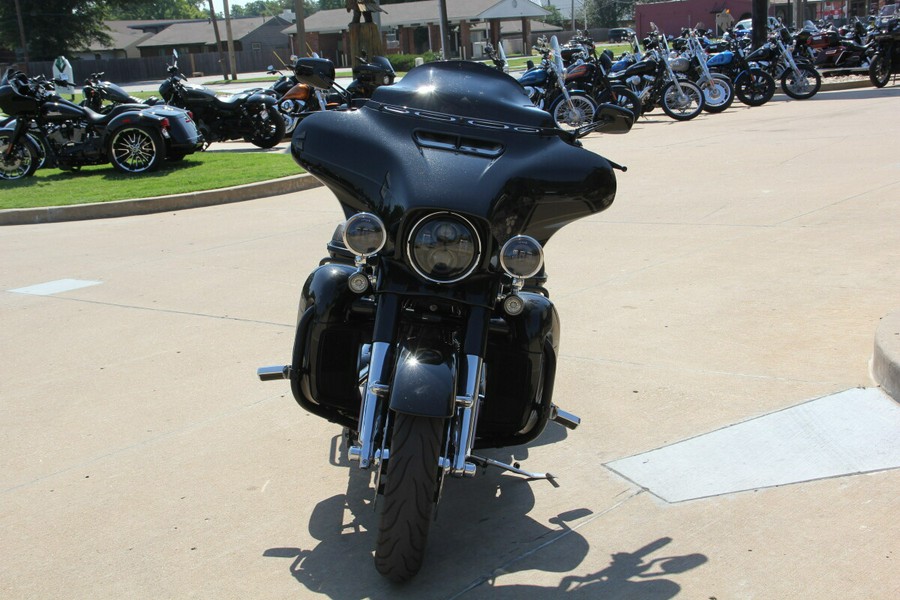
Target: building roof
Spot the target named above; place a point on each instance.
(124, 34)
(409, 14)
(201, 31)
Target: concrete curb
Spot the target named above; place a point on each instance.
(886, 359)
(143, 206)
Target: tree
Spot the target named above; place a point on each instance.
(52, 27)
(157, 9)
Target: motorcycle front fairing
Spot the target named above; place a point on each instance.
(462, 138)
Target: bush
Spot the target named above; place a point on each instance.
(405, 62)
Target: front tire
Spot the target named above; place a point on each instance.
(880, 70)
(581, 112)
(268, 129)
(137, 149)
(803, 87)
(409, 496)
(682, 106)
(718, 94)
(755, 87)
(21, 162)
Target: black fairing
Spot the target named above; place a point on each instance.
(457, 136)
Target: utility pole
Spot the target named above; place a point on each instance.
(300, 35)
(215, 24)
(759, 13)
(230, 42)
(22, 35)
(445, 30)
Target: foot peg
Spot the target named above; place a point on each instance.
(566, 419)
(490, 462)
(274, 372)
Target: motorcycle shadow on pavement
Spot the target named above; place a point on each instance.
(491, 510)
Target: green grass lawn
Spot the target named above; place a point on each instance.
(200, 171)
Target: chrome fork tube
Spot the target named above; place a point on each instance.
(468, 404)
(364, 451)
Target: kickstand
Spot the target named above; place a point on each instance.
(490, 462)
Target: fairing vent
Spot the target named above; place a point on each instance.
(458, 143)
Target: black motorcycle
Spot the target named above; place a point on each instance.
(133, 138)
(427, 332)
(250, 115)
(101, 95)
(885, 50)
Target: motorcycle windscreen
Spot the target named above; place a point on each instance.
(461, 137)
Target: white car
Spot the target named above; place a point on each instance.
(745, 26)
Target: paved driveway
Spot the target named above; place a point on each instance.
(741, 272)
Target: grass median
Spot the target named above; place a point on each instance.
(196, 172)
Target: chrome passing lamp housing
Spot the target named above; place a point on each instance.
(522, 257)
(364, 234)
(443, 247)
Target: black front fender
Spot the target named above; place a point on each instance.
(424, 382)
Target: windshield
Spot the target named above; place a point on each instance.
(383, 63)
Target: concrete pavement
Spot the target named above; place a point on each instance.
(742, 273)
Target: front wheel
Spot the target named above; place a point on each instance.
(718, 93)
(136, 149)
(682, 105)
(580, 113)
(621, 96)
(17, 160)
(880, 70)
(409, 496)
(754, 87)
(802, 87)
(268, 128)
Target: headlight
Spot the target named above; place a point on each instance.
(443, 248)
(364, 234)
(522, 256)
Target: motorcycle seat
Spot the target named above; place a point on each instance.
(852, 45)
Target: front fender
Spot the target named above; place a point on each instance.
(424, 382)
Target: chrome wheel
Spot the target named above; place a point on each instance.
(136, 150)
(19, 161)
(581, 112)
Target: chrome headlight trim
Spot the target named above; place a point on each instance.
(449, 216)
(365, 223)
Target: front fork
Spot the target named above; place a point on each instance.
(376, 393)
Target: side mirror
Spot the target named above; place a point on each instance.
(609, 118)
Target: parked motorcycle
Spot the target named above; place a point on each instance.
(591, 76)
(752, 85)
(248, 115)
(834, 53)
(885, 49)
(101, 95)
(133, 138)
(546, 86)
(799, 78)
(691, 64)
(427, 332)
(656, 84)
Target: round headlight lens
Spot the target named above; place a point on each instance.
(444, 248)
(364, 234)
(522, 256)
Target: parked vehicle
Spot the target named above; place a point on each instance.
(752, 85)
(656, 84)
(427, 332)
(885, 49)
(691, 64)
(133, 138)
(546, 86)
(591, 76)
(250, 115)
(833, 53)
(617, 35)
(799, 78)
(101, 95)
